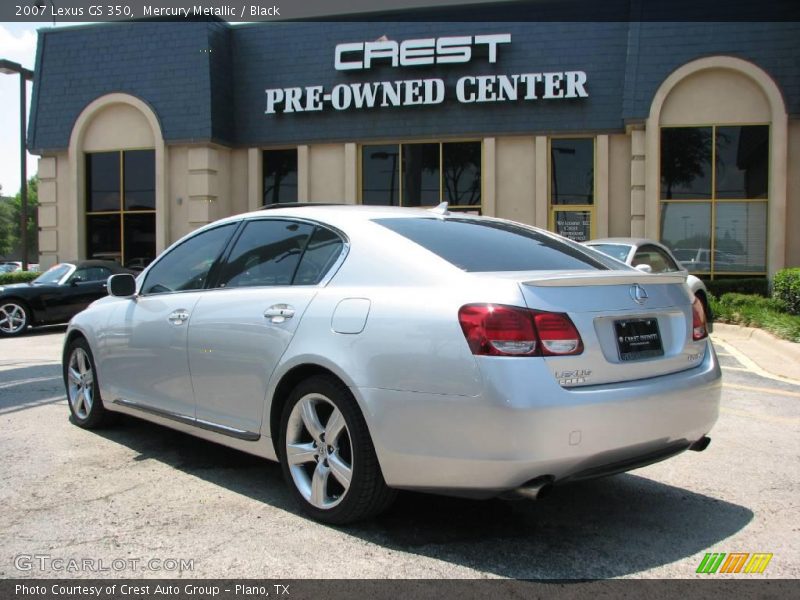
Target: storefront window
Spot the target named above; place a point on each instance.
(572, 187)
(280, 176)
(380, 183)
(462, 173)
(742, 157)
(686, 163)
(120, 206)
(714, 183)
(422, 175)
(140, 180)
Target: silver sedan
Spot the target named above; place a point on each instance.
(650, 256)
(375, 349)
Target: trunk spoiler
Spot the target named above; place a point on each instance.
(581, 278)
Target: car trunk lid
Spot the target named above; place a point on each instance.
(633, 325)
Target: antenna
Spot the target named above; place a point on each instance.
(441, 209)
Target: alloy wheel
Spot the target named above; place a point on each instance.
(320, 457)
(13, 318)
(80, 383)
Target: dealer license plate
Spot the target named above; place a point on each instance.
(638, 339)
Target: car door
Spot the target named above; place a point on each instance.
(143, 359)
(239, 331)
(83, 287)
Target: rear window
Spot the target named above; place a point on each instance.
(482, 246)
(618, 251)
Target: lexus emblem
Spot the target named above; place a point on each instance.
(638, 294)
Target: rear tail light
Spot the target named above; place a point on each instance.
(557, 334)
(500, 330)
(699, 327)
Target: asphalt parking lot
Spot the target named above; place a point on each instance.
(138, 492)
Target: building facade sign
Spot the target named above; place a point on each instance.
(469, 89)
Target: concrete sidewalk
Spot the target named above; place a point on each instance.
(771, 354)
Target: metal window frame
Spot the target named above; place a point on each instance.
(441, 143)
(552, 209)
(122, 211)
(712, 273)
(263, 150)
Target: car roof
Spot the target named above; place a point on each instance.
(342, 215)
(353, 211)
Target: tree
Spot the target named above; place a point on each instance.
(10, 215)
(685, 156)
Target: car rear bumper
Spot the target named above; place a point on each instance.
(524, 426)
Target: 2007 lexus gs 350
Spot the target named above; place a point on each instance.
(372, 349)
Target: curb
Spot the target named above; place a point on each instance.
(774, 355)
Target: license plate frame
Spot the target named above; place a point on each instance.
(638, 339)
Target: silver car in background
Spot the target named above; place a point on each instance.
(650, 256)
(372, 349)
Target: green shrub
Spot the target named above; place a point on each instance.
(752, 301)
(756, 311)
(752, 285)
(786, 288)
(18, 277)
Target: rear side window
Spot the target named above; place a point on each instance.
(321, 254)
(281, 252)
(267, 253)
(483, 246)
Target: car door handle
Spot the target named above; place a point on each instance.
(178, 317)
(278, 313)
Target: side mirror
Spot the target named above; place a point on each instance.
(122, 285)
(75, 281)
(644, 268)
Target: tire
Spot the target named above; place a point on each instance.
(331, 469)
(14, 317)
(83, 393)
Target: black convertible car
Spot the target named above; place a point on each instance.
(55, 296)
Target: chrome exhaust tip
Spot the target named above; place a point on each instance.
(535, 489)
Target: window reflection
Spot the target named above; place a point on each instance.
(685, 163)
(102, 181)
(120, 206)
(686, 230)
(735, 210)
(740, 237)
(572, 171)
(430, 172)
(266, 253)
(380, 184)
(420, 174)
(104, 237)
(187, 266)
(140, 240)
(140, 179)
(280, 176)
(462, 173)
(742, 162)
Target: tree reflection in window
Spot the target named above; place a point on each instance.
(718, 228)
(686, 163)
(462, 173)
(280, 176)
